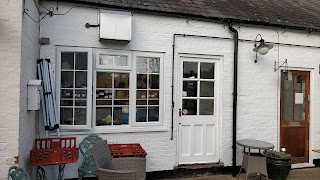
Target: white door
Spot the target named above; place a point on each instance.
(198, 115)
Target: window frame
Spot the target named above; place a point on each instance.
(161, 88)
(94, 98)
(60, 50)
(92, 68)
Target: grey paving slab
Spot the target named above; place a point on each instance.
(296, 174)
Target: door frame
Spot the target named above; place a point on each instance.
(177, 97)
(311, 105)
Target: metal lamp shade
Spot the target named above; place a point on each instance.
(263, 48)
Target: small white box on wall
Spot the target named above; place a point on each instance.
(115, 25)
(34, 94)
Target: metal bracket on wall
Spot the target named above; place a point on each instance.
(278, 66)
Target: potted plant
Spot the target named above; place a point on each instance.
(278, 164)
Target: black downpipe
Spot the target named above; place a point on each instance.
(235, 97)
(172, 85)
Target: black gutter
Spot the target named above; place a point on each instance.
(235, 99)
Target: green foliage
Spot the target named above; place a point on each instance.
(278, 155)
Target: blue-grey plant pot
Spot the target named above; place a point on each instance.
(278, 169)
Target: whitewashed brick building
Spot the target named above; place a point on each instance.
(168, 83)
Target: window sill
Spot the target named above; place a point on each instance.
(114, 130)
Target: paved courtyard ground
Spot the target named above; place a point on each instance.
(296, 174)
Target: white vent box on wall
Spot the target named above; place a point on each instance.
(115, 25)
(34, 94)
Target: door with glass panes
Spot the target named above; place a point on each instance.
(198, 115)
(295, 118)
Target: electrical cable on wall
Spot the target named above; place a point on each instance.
(67, 11)
(34, 19)
(41, 5)
(50, 11)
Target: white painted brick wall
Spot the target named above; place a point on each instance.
(10, 55)
(257, 95)
(29, 55)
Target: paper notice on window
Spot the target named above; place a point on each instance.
(299, 98)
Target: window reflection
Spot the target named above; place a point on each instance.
(190, 69)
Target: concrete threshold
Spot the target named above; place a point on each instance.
(302, 165)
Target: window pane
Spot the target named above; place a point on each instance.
(104, 80)
(141, 115)
(81, 61)
(121, 102)
(206, 107)
(66, 93)
(154, 81)
(287, 97)
(287, 113)
(66, 79)
(140, 102)
(190, 69)
(81, 79)
(299, 112)
(120, 60)
(104, 94)
(153, 102)
(103, 116)
(80, 103)
(300, 82)
(122, 94)
(104, 102)
(206, 89)
(154, 65)
(142, 81)
(153, 114)
(287, 83)
(141, 94)
(190, 88)
(142, 65)
(118, 116)
(207, 70)
(121, 80)
(80, 115)
(153, 94)
(66, 116)
(67, 60)
(66, 103)
(106, 60)
(189, 106)
(80, 94)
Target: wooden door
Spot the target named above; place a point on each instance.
(294, 126)
(198, 115)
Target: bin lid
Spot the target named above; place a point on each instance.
(34, 82)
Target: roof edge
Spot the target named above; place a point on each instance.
(197, 17)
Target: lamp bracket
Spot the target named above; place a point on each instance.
(278, 66)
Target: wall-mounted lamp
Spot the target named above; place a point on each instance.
(262, 49)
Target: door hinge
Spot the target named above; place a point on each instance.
(309, 98)
(180, 112)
